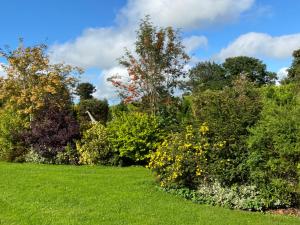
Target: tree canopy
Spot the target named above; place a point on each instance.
(155, 68)
(33, 82)
(210, 75)
(294, 70)
(85, 90)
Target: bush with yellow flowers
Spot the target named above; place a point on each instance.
(180, 160)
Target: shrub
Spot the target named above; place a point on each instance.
(229, 113)
(51, 131)
(274, 147)
(94, 147)
(69, 155)
(33, 157)
(180, 161)
(235, 197)
(134, 135)
(11, 124)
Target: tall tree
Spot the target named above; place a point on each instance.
(85, 91)
(254, 69)
(32, 82)
(213, 76)
(294, 70)
(155, 67)
(98, 108)
(206, 75)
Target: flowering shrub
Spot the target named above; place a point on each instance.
(180, 160)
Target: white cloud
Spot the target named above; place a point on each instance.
(185, 14)
(104, 88)
(2, 72)
(193, 43)
(94, 48)
(262, 45)
(282, 73)
(100, 47)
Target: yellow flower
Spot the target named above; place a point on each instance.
(203, 129)
(187, 145)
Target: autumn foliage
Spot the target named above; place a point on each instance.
(155, 69)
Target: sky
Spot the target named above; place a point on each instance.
(92, 34)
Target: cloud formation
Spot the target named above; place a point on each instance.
(2, 73)
(101, 47)
(94, 48)
(185, 14)
(104, 88)
(262, 45)
(193, 43)
(282, 73)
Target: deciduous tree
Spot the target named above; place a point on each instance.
(294, 70)
(155, 68)
(32, 82)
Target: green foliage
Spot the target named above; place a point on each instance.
(69, 155)
(294, 70)
(254, 69)
(181, 160)
(11, 124)
(275, 146)
(85, 91)
(134, 135)
(98, 108)
(176, 115)
(156, 68)
(209, 75)
(229, 113)
(94, 147)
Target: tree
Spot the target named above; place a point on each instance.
(254, 69)
(85, 91)
(207, 75)
(213, 76)
(155, 68)
(294, 70)
(98, 108)
(32, 82)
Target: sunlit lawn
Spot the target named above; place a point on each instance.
(47, 194)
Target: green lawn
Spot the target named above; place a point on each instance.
(46, 194)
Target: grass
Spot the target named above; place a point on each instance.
(45, 194)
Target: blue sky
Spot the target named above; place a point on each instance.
(93, 33)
